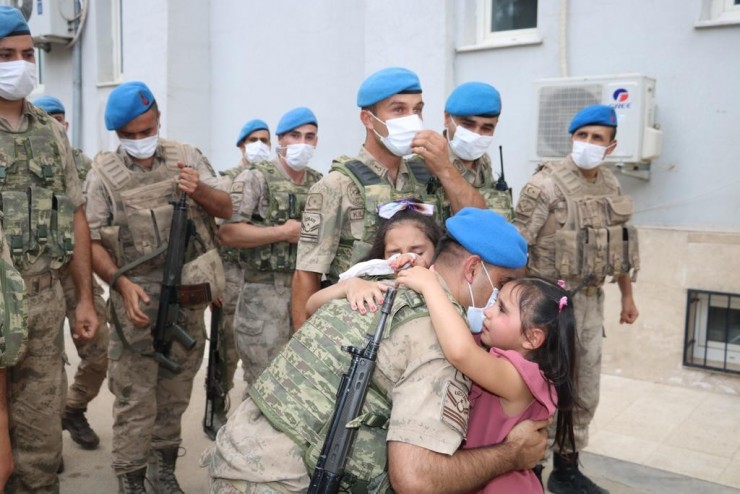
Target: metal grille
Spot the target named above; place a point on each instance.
(712, 338)
(557, 107)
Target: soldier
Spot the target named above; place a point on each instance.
(574, 217)
(254, 143)
(341, 218)
(471, 115)
(45, 225)
(268, 199)
(94, 353)
(129, 196)
(263, 445)
(14, 310)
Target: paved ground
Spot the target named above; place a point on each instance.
(90, 472)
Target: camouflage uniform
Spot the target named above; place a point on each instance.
(558, 210)
(14, 310)
(423, 398)
(337, 215)
(93, 353)
(150, 400)
(481, 178)
(38, 154)
(234, 279)
(262, 318)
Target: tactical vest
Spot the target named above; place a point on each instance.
(142, 210)
(38, 216)
(82, 163)
(376, 192)
(230, 254)
(286, 200)
(596, 239)
(14, 312)
(297, 391)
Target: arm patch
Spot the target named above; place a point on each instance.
(456, 407)
(310, 227)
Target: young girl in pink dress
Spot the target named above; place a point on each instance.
(527, 373)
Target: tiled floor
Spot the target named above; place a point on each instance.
(686, 431)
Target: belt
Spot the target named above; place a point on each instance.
(590, 291)
(38, 283)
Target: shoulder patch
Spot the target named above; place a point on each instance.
(456, 407)
(237, 187)
(310, 227)
(314, 202)
(354, 194)
(531, 191)
(356, 214)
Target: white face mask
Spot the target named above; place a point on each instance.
(257, 151)
(401, 132)
(476, 315)
(468, 145)
(17, 79)
(587, 156)
(140, 148)
(297, 156)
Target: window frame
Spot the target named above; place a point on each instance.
(110, 43)
(718, 13)
(488, 39)
(698, 350)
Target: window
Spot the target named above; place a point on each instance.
(713, 331)
(718, 13)
(502, 23)
(110, 43)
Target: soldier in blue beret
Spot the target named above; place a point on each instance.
(36, 384)
(130, 193)
(268, 200)
(582, 251)
(471, 115)
(399, 160)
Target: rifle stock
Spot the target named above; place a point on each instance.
(350, 398)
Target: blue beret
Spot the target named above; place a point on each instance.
(126, 102)
(49, 104)
(474, 98)
(385, 83)
(294, 119)
(12, 22)
(249, 127)
(594, 115)
(487, 234)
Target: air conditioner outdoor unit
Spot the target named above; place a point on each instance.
(50, 20)
(631, 96)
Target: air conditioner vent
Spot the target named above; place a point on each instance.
(557, 107)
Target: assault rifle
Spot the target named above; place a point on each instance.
(214, 388)
(173, 297)
(350, 397)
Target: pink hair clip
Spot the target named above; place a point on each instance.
(563, 302)
(561, 284)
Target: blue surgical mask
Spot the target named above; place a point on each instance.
(475, 314)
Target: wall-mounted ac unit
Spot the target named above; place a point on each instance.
(631, 96)
(50, 21)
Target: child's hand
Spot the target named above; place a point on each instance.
(408, 260)
(363, 294)
(416, 278)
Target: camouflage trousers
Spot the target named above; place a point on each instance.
(36, 395)
(262, 322)
(228, 353)
(251, 456)
(589, 316)
(149, 400)
(94, 353)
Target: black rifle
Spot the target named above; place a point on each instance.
(172, 296)
(350, 398)
(501, 182)
(214, 388)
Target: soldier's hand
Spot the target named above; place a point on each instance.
(629, 312)
(290, 231)
(432, 146)
(188, 180)
(133, 295)
(529, 439)
(86, 321)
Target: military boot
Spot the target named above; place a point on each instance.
(132, 482)
(566, 478)
(161, 471)
(74, 421)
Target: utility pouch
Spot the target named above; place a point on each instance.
(149, 215)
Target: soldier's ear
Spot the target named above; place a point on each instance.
(470, 267)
